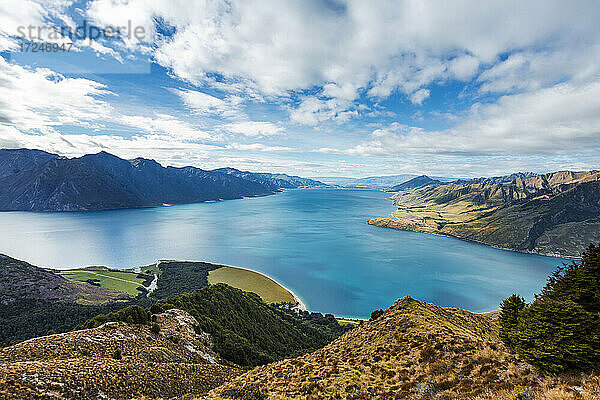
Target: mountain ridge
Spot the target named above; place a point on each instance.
(413, 350)
(32, 180)
(551, 214)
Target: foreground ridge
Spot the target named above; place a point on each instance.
(414, 350)
(116, 360)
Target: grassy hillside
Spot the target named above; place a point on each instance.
(250, 281)
(414, 350)
(124, 281)
(553, 214)
(35, 301)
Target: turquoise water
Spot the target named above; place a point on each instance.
(314, 241)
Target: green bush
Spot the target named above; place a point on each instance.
(246, 330)
(376, 314)
(509, 317)
(155, 328)
(560, 330)
(577, 282)
(118, 354)
(557, 336)
(132, 315)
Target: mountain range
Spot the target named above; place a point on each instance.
(553, 214)
(373, 182)
(34, 180)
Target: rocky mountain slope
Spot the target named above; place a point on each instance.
(554, 214)
(115, 361)
(414, 350)
(495, 179)
(32, 180)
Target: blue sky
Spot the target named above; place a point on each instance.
(315, 88)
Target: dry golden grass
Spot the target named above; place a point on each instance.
(84, 365)
(250, 281)
(413, 351)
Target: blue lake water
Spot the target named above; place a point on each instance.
(314, 241)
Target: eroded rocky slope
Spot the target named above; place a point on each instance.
(116, 361)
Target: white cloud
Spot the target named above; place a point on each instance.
(254, 128)
(312, 111)
(12, 17)
(464, 67)
(419, 96)
(259, 147)
(162, 148)
(562, 119)
(203, 103)
(164, 124)
(40, 98)
(353, 46)
(532, 65)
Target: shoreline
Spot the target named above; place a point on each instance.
(299, 303)
(555, 255)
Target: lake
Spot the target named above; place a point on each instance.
(314, 241)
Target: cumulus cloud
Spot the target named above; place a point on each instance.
(527, 74)
(353, 46)
(560, 119)
(254, 128)
(40, 98)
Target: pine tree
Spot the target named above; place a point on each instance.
(577, 282)
(557, 336)
(560, 330)
(509, 317)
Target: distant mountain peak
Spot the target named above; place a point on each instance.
(415, 183)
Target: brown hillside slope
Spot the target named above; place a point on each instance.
(413, 351)
(84, 365)
(552, 214)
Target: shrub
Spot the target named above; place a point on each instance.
(155, 328)
(132, 315)
(118, 354)
(376, 314)
(557, 336)
(509, 316)
(577, 282)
